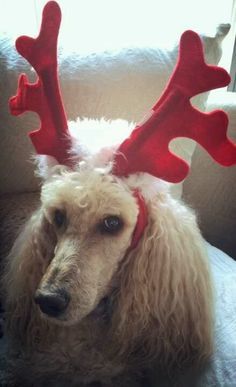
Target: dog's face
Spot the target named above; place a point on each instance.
(93, 216)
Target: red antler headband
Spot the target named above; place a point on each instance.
(147, 149)
(43, 96)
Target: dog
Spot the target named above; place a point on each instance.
(108, 284)
(83, 307)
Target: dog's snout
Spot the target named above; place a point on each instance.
(52, 303)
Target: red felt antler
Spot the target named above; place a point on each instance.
(43, 96)
(147, 149)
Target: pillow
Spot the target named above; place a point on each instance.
(211, 189)
(221, 370)
(120, 84)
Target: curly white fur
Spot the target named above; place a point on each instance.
(160, 300)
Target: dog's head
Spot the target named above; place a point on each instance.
(93, 216)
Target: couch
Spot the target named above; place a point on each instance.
(118, 88)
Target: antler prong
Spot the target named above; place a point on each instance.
(43, 96)
(147, 149)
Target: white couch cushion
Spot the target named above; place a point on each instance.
(211, 189)
(221, 371)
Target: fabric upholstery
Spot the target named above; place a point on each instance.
(211, 189)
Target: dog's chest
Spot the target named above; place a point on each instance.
(82, 354)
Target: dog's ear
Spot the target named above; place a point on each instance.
(165, 295)
(24, 268)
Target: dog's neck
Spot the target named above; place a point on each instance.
(104, 309)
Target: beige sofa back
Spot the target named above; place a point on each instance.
(211, 189)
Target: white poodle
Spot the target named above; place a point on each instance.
(83, 307)
(108, 284)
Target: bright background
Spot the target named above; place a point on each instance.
(98, 25)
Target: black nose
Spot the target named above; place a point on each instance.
(52, 303)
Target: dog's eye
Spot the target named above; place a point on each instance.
(59, 218)
(111, 224)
